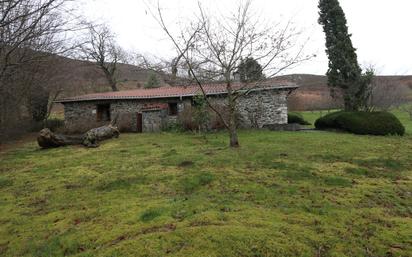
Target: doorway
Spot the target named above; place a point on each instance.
(139, 123)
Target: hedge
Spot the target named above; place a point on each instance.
(362, 123)
(294, 117)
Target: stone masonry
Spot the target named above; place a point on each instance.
(256, 109)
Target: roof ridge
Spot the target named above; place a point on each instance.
(179, 91)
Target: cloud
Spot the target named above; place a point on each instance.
(381, 29)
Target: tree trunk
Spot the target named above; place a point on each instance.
(94, 136)
(234, 142)
(113, 85)
(110, 78)
(47, 139)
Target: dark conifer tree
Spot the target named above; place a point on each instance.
(344, 71)
(249, 70)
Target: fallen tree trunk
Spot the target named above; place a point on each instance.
(93, 136)
(48, 139)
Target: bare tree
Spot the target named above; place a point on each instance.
(385, 94)
(101, 48)
(187, 40)
(31, 31)
(27, 26)
(217, 44)
(408, 109)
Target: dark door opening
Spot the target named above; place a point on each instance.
(172, 109)
(139, 128)
(103, 112)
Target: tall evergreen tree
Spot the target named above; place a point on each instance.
(249, 70)
(344, 71)
(152, 81)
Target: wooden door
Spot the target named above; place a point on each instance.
(139, 128)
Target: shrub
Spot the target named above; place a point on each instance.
(201, 112)
(216, 123)
(328, 121)
(362, 123)
(173, 127)
(294, 117)
(54, 124)
(185, 118)
(191, 118)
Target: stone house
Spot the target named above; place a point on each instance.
(148, 110)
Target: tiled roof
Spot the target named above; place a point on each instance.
(180, 91)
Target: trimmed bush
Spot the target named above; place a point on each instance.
(328, 121)
(294, 117)
(362, 123)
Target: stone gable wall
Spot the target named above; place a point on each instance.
(260, 108)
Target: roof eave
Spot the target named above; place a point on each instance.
(68, 100)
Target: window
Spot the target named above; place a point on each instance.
(103, 112)
(172, 109)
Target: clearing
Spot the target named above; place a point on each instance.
(280, 194)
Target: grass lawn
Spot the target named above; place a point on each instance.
(280, 194)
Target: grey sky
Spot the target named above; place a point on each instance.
(381, 29)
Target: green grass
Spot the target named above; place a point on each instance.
(280, 194)
(312, 116)
(405, 119)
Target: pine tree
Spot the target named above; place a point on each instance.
(249, 70)
(344, 71)
(152, 81)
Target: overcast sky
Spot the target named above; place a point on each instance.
(382, 29)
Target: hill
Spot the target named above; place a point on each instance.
(85, 77)
(313, 93)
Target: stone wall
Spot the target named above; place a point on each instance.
(256, 109)
(84, 114)
(259, 108)
(81, 116)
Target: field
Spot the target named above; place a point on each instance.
(167, 194)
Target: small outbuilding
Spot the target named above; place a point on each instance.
(149, 110)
